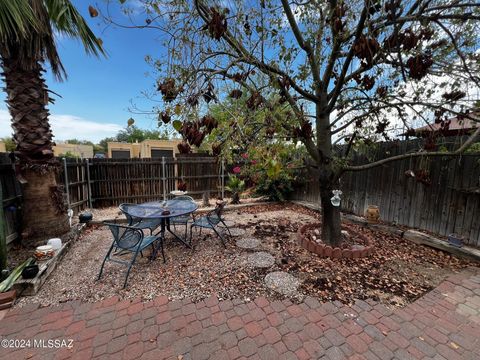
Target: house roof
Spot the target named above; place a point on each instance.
(457, 126)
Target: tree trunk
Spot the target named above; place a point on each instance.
(27, 102)
(331, 222)
(44, 212)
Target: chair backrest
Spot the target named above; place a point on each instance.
(184, 198)
(215, 216)
(124, 209)
(125, 237)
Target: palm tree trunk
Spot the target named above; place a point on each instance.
(43, 213)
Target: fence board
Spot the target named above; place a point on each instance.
(448, 205)
(139, 180)
(12, 198)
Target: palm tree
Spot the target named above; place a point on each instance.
(28, 42)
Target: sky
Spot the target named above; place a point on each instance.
(98, 91)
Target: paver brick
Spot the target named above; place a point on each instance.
(247, 347)
(357, 344)
(434, 326)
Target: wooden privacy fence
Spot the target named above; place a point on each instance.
(107, 182)
(12, 198)
(447, 201)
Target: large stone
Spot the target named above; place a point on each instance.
(237, 232)
(261, 259)
(248, 243)
(282, 282)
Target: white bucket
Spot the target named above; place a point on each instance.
(56, 243)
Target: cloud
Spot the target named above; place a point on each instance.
(66, 127)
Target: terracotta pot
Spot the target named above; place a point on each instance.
(372, 213)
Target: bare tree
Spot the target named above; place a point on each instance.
(344, 69)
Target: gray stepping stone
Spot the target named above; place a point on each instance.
(282, 282)
(261, 259)
(248, 243)
(237, 231)
(230, 223)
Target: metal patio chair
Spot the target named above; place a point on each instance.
(182, 219)
(129, 239)
(213, 220)
(137, 222)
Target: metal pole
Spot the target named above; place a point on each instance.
(223, 178)
(66, 181)
(89, 185)
(164, 180)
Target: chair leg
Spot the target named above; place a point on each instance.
(220, 236)
(104, 260)
(130, 268)
(228, 229)
(163, 253)
(191, 236)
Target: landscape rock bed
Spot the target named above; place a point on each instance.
(355, 244)
(396, 273)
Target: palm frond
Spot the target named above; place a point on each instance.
(67, 20)
(16, 18)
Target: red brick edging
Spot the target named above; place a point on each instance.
(335, 253)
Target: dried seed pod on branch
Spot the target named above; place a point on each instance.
(209, 122)
(366, 49)
(184, 148)
(236, 94)
(217, 24)
(419, 65)
(168, 89)
(254, 101)
(454, 95)
(192, 100)
(165, 116)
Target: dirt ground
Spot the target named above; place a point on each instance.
(397, 273)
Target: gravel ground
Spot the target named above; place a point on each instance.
(213, 269)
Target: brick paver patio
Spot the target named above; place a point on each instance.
(444, 324)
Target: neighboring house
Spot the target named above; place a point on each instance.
(145, 149)
(82, 151)
(2, 147)
(455, 127)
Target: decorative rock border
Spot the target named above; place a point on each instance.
(355, 252)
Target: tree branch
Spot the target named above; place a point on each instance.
(459, 151)
(303, 44)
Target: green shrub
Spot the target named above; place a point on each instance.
(277, 188)
(236, 186)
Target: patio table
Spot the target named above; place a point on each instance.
(156, 209)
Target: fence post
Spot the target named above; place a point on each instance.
(67, 189)
(223, 179)
(164, 180)
(89, 186)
